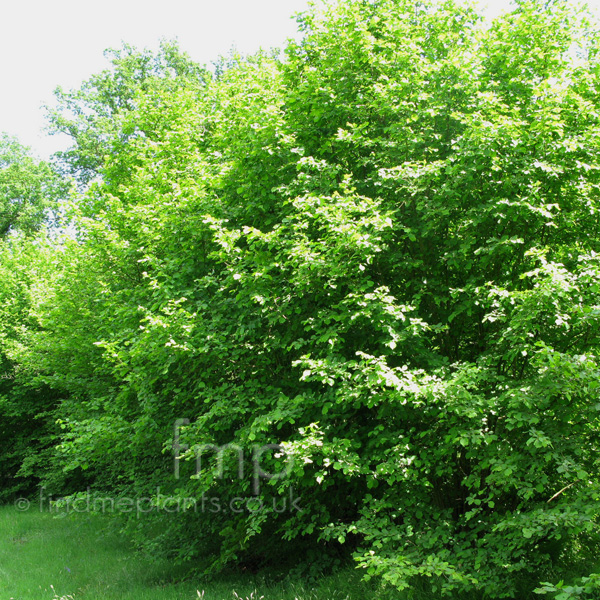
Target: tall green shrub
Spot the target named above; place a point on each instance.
(381, 254)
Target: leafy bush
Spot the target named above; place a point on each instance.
(379, 253)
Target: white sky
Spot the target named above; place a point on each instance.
(46, 43)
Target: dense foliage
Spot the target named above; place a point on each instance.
(28, 189)
(379, 252)
(29, 194)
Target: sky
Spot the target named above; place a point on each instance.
(47, 43)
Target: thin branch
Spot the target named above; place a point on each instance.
(561, 491)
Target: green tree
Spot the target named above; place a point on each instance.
(91, 115)
(28, 268)
(28, 189)
(30, 192)
(380, 253)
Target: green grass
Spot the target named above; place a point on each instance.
(82, 557)
(45, 557)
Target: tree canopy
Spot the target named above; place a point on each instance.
(28, 189)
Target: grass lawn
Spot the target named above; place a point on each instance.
(46, 557)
